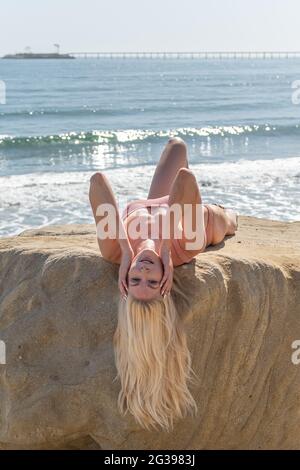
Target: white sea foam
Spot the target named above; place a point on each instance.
(261, 188)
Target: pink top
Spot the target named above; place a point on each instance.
(179, 254)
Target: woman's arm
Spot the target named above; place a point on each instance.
(101, 193)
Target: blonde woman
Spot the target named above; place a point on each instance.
(152, 358)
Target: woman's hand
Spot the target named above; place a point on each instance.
(126, 259)
(167, 280)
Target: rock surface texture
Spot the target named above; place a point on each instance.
(58, 313)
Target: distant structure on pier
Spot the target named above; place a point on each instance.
(31, 55)
(28, 54)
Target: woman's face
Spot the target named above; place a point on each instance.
(144, 275)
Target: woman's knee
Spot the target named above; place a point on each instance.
(177, 148)
(177, 141)
(186, 174)
(97, 178)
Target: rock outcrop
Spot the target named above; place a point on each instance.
(58, 313)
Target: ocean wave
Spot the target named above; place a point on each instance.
(133, 136)
(60, 113)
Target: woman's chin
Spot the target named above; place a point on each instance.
(148, 253)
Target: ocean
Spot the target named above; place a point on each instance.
(65, 119)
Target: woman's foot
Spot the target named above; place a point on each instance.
(233, 221)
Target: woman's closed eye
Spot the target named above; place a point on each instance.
(134, 281)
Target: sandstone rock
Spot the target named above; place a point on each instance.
(58, 313)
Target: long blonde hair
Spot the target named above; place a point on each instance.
(153, 363)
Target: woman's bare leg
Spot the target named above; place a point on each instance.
(173, 157)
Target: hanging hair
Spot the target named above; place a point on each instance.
(153, 363)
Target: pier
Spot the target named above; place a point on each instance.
(189, 55)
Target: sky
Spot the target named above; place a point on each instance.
(149, 25)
